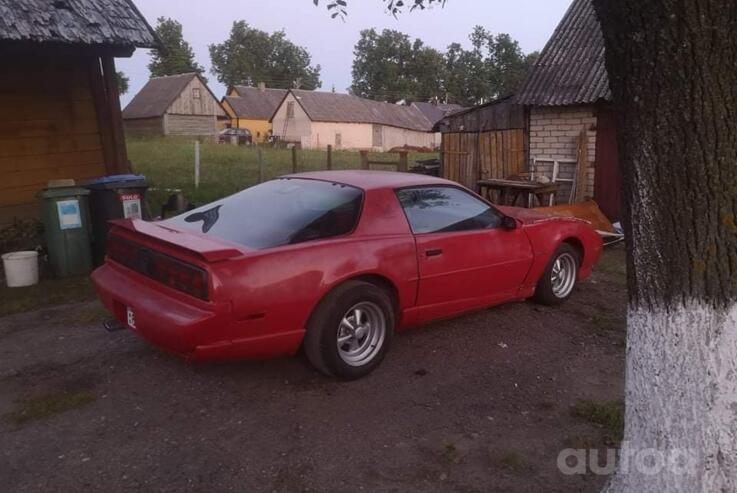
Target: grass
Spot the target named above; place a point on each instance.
(614, 265)
(45, 406)
(46, 293)
(512, 461)
(609, 415)
(450, 454)
(225, 169)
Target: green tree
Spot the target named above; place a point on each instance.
(122, 81)
(380, 66)
(250, 56)
(391, 67)
(178, 57)
(494, 67)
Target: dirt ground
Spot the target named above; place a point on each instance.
(476, 404)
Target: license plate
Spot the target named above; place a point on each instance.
(131, 317)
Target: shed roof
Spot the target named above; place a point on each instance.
(436, 112)
(571, 68)
(254, 103)
(75, 22)
(346, 108)
(157, 95)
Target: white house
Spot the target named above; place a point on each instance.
(318, 119)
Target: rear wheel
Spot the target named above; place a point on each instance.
(350, 331)
(557, 282)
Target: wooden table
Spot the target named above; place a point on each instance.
(510, 191)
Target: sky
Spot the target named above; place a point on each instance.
(331, 41)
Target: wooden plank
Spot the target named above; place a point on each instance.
(40, 177)
(52, 110)
(28, 193)
(121, 164)
(11, 164)
(101, 110)
(36, 146)
(44, 128)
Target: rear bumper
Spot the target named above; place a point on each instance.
(182, 328)
(163, 320)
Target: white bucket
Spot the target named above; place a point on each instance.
(21, 268)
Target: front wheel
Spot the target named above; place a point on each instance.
(350, 331)
(557, 282)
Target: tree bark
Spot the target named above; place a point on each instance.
(672, 66)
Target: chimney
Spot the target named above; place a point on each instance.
(262, 86)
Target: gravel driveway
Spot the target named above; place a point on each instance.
(478, 403)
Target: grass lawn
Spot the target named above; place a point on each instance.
(225, 169)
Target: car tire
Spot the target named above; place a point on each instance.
(557, 282)
(350, 331)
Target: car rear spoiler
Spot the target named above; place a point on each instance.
(208, 248)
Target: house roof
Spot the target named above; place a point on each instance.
(75, 22)
(436, 112)
(157, 95)
(571, 67)
(346, 108)
(254, 103)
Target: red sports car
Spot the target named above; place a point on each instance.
(334, 262)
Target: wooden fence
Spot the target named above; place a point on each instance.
(468, 157)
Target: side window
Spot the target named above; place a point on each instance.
(290, 109)
(445, 209)
(195, 93)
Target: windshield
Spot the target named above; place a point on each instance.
(279, 212)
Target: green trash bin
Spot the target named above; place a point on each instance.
(67, 231)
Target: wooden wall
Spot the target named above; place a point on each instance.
(468, 157)
(186, 104)
(144, 127)
(49, 128)
(191, 125)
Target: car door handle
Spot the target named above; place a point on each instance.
(434, 252)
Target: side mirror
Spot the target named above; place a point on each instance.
(509, 223)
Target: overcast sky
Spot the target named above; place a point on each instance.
(330, 41)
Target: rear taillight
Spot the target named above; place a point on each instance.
(178, 275)
(160, 267)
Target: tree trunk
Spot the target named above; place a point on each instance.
(673, 71)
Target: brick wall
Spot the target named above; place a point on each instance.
(553, 136)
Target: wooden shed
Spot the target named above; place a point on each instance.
(60, 114)
(174, 105)
(483, 142)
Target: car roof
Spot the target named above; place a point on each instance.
(370, 179)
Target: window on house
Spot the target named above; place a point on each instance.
(290, 109)
(195, 93)
(338, 140)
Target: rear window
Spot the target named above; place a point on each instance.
(278, 212)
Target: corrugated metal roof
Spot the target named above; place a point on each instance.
(571, 68)
(156, 96)
(346, 108)
(254, 103)
(76, 22)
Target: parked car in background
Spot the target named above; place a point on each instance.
(333, 262)
(242, 134)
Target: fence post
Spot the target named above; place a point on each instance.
(196, 164)
(402, 161)
(364, 160)
(294, 159)
(260, 155)
(330, 157)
